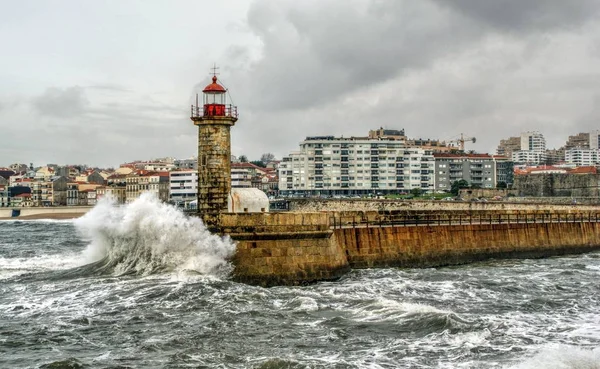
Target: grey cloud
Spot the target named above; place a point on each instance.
(63, 103)
(317, 52)
(313, 54)
(518, 15)
(109, 87)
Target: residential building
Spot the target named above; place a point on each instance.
(159, 185)
(533, 149)
(72, 194)
(533, 141)
(115, 191)
(504, 170)
(183, 187)
(59, 190)
(240, 176)
(328, 165)
(479, 170)
(85, 195)
(508, 146)
(21, 200)
(595, 140)
(387, 134)
(581, 140)
(4, 198)
(44, 174)
(142, 181)
(191, 163)
(555, 156)
(269, 184)
(529, 157)
(582, 157)
(67, 171)
(41, 193)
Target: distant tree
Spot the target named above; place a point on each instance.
(475, 186)
(501, 185)
(416, 192)
(243, 159)
(457, 186)
(258, 163)
(267, 157)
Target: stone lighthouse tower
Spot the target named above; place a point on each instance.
(214, 118)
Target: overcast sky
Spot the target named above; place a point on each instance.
(105, 82)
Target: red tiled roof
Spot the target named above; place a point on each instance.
(584, 170)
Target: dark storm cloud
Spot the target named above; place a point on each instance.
(519, 15)
(315, 53)
(490, 69)
(63, 103)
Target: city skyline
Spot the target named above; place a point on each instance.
(108, 83)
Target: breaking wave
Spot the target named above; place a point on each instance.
(562, 357)
(148, 237)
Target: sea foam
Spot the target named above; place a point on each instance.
(148, 236)
(562, 357)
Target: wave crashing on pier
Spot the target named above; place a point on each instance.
(148, 237)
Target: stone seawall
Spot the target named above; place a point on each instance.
(300, 248)
(428, 246)
(284, 248)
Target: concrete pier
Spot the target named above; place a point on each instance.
(300, 248)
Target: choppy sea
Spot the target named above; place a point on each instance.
(143, 286)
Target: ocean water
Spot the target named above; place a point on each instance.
(143, 286)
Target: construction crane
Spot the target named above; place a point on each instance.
(461, 141)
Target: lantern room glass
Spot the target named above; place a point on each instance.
(214, 98)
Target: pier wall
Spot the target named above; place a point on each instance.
(431, 246)
(300, 248)
(284, 248)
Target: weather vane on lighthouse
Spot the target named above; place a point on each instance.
(214, 70)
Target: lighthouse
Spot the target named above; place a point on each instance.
(214, 119)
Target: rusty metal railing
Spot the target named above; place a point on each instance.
(214, 110)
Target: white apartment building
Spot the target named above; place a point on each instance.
(595, 140)
(183, 187)
(582, 157)
(240, 177)
(533, 149)
(328, 165)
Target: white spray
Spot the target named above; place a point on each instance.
(148, 236)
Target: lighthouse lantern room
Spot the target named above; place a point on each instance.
(214, 100)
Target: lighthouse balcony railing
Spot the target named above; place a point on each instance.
(214, 110)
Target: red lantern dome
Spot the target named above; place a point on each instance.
(214, 87)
